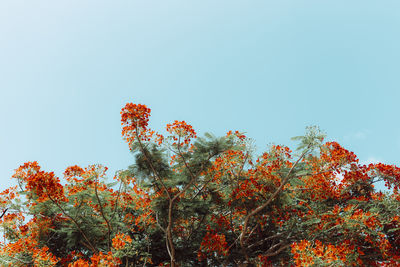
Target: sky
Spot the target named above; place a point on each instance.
(265, 67)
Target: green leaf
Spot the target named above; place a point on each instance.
(295, 138)
(296, 182)
(302, 173)
(313, 221)
(112, 184)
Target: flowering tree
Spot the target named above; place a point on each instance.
(205, 201)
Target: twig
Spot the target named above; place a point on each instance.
(4, 212)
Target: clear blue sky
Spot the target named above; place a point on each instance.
(266, 67)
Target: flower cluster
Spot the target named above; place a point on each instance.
(105, 260)
(28, 243)
(73, 171)
(98, 260)
(306, 253)
(391, 175)
(43, 257)
(7, 196)
(182, 132)
(134, 119)
(213, 242)
(43, 185)
(337, 156)
(237, 134)
(120, 240)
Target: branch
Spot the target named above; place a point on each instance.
(201, 189)
(184, 160)
(190, 172)
(150, 163)
(197, 228)
(192, 175)
(148, 252)
(265, 239)
(158, 223)
(28, 263)
(117, 198)
(277, 251)
(102, 213)
(234, 242)
(95, 250)
(4, 212)
(241, 169)
(272, 197)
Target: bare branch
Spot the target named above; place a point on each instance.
(4, 212)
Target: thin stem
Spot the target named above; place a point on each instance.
(102, 213)
(150, 163)
(117, 198)
(4, 212)
(95, 250)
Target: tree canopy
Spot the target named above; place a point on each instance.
(205, 201)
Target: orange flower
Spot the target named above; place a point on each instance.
(213, 242)
(182, 132)
(134, 119)
(306, 253)
(120, 240)
(43, 185)
(104, 260)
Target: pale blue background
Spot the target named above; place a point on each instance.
(268, 68)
